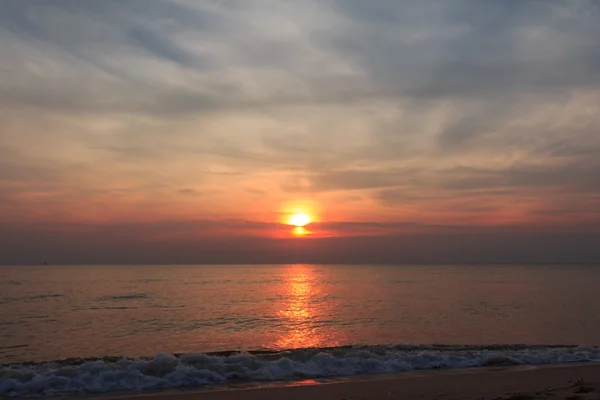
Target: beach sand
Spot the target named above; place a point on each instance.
(572, 382)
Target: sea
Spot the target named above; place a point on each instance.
(72, 330)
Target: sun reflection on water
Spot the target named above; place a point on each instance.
(299, 308)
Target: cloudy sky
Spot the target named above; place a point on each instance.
(186, 130)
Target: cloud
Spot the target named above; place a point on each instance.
(123, 244)
(470, 48)
(454, 112)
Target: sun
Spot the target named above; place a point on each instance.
(299, 219)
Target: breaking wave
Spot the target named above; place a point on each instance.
(168, 371)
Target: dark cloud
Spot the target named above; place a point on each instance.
(161, 47)
(471, 245)
(475, 49)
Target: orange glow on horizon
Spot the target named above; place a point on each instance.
(300, 231)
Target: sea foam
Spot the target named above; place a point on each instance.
(168, 371)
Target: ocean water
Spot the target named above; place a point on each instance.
(157, 327)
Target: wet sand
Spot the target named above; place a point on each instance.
(572, 382)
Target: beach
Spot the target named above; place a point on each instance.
(569, 382)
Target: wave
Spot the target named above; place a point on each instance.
(8, 300)
(170, 371)
(131, 296)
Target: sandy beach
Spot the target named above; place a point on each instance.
(569, 382)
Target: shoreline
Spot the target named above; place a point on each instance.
(168, 374)
(578, 381)
(275, 352)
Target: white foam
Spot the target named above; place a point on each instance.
(195, 370)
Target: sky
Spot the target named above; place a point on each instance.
(187, 131)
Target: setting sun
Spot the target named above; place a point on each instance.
(299, 219)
